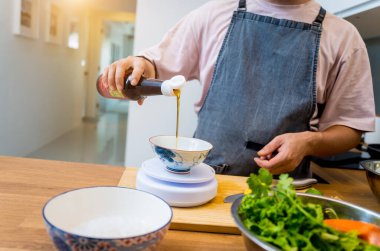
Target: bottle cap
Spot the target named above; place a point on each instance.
(175, 82)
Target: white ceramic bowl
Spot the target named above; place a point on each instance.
(180, 155)
(106, 218)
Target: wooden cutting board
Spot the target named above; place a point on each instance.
(214, 216)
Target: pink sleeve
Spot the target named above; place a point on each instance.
(350, 100)
(178, 52)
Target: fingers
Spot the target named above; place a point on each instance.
(274, 166)
(283, 162)
(121, 68)
(271, 147)
(105, 78)
(273, 163)
(276, 156)
(284, 153)
(111, 77)
(138, 70)
(114, 74)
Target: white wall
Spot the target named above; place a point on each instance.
(41, 87)
(158, 114)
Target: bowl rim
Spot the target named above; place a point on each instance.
(368, 169)
(103, 238)
(180, 150)
(268, 246)
(374, 146)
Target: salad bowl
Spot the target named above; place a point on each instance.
(343, 210)
(372, 168)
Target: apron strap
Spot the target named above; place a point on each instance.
(242, 5)
(319, 19)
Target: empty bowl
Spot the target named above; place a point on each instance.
(106, 218)
(180, 154)
(372, 168)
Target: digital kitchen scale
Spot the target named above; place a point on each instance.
(178, 190)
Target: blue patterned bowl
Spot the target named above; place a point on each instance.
(180, 155)
(106, 218)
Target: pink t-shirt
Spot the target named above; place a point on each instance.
(344, 81)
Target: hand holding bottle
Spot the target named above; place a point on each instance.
(128, 88)
(114, 75)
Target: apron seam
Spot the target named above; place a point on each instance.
(315, 68)
(276, 25)
(277, 22)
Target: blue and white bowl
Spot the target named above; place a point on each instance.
(106, 218)
(180, 154)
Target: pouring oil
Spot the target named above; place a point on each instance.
(146, 87)
(177, 93)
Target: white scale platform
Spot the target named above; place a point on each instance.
(179, 190)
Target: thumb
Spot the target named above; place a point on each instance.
(270, 147)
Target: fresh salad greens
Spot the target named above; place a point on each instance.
(278, 217)
(312, 190)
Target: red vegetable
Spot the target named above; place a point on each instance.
(366, 231)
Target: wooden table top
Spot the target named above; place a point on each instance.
(26, 184)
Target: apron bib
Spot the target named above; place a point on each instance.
(264, 85)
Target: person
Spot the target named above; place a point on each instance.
(282, 80)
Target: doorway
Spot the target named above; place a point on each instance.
(117, 43)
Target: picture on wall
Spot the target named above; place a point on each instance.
(26, 15)
(73, 32)
(54, 18)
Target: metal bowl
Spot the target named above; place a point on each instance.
(343, 209)
(374, 151)
(372, 168)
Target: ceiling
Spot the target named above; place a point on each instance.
(108, 5)
(116, 5)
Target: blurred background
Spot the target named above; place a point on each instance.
(52, 51)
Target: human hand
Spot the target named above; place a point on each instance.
(291, 148)
(114, 75)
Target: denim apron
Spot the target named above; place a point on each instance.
(264, 85)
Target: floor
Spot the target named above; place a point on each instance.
(101, 142)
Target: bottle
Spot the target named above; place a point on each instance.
(145, 87)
